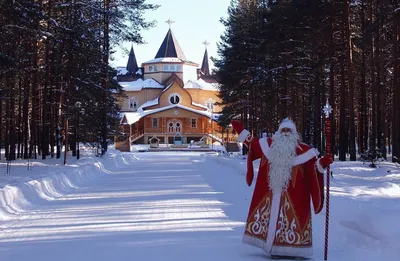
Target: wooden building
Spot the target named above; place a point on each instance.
(170, 98)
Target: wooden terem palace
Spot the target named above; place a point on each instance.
(169, 99)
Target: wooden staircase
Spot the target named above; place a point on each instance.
(232, 147)
(137, 136)
(122, 145)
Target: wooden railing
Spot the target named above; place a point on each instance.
(137, 135)
(215, 135)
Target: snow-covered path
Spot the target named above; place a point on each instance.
(178, 206)
(153, 207)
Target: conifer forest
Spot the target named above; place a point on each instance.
(276, 59)
(56, 85)
(285, 58)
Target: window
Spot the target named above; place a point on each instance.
(172, 67)
(155, 68)
(178, 67)
(210, 105)
(133, 104)
(174, 98)
(150, 68)
(154, 122)
(194, 123)
(165, 67)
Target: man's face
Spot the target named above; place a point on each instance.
(286, 131)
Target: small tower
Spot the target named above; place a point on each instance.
(205, 68)
(170, 60)
(132, 66)
(170, 46)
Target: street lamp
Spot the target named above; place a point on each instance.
(78, 111)
(211, 109)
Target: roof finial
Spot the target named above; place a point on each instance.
(169, 22)
(206, 43)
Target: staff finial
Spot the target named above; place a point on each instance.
(327, 108)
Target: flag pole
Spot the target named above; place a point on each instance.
(327, 110)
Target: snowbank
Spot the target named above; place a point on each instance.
(49, 180)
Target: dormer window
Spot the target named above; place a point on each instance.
(153, 68)
(210, 104)
(171, 67)
(133, 104)
(174, 98)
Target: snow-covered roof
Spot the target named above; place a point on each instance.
(202, 85)
(121, 70)
(199, 105)
(140, 84)
(169, 60)
(155, 102)
(166, 60)
(133, 117)
(149, 103)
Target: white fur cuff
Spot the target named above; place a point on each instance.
(243, 135)
(319, 167)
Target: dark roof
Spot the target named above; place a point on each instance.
(132, 65)
(208, 78)
(205, 68)
(170, 48)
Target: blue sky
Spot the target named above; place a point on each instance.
(195, 22)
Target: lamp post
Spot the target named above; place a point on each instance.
(79, 111)
(212, 124)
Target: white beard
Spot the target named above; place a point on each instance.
(281, 156)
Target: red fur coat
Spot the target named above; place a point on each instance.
(281, 223)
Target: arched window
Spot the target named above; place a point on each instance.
(170, 127)
(174, 98)
(133, 104)
(210, 104)
(174, 126)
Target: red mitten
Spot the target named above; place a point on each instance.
(237, 126)
(325, 161)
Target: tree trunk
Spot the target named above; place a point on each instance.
(363, 130)
(350, 78)
(343, 131)
(104, 82)
(396, 87)
(373, 133)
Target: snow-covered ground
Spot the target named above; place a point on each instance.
(177, 206)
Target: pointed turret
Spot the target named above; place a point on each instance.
(132, 66)
(205, 68)
(170, 48)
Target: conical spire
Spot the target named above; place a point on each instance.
(205, 68)
(170, 46)
(132, 65)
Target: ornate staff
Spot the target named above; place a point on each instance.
(327, 110)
